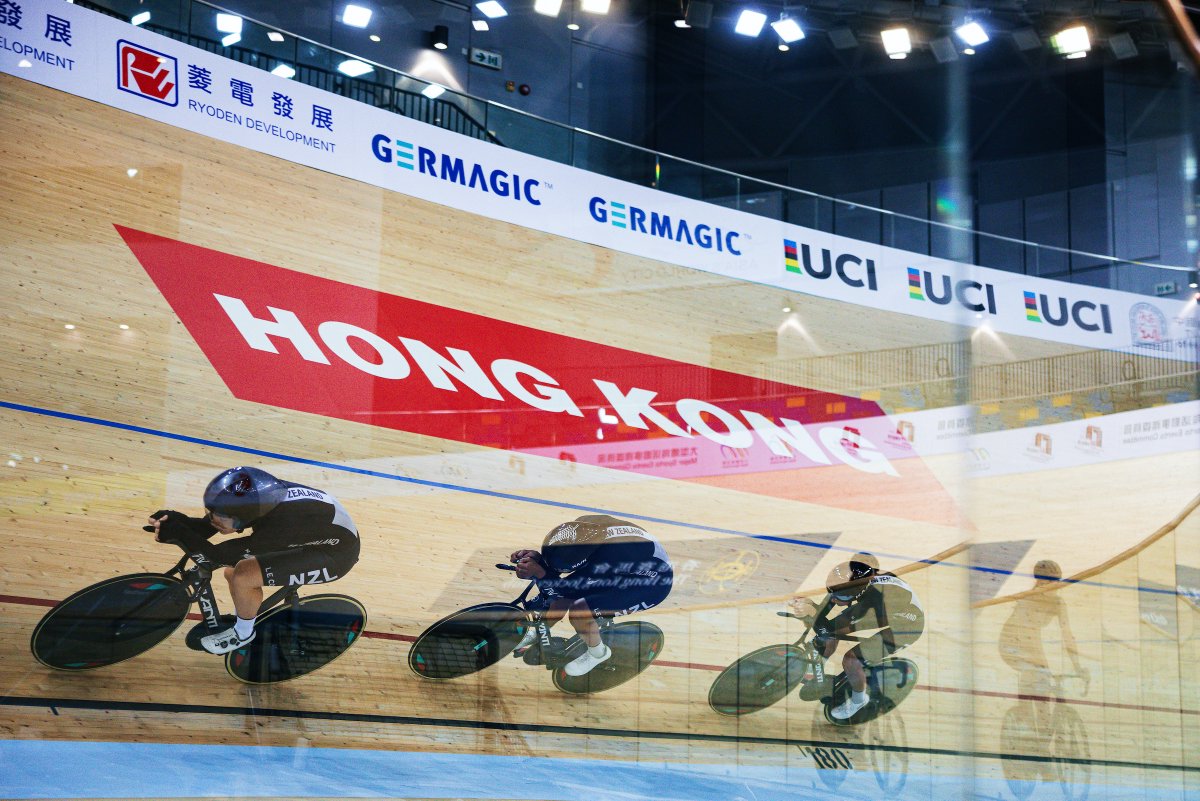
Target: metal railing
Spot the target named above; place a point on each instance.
(395, 91)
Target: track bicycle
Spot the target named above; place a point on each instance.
(765, 676)
(479, 636)
(1053, 732)
(119, 618)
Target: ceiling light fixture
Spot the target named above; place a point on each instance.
(549, 8)
(972, 33)
(1072, 42)
(788, 29)
(229, 23)
(354, 68)
(896, 42)
(492, 9)
(595, 6)
(440, 37)
(750, 23)
(356, 16)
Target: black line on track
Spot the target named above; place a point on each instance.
(541, 728)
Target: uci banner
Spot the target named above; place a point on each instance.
(105, 60)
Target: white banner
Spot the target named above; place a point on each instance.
(105, 60)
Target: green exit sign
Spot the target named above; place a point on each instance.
(1165, 288)
(486, 58)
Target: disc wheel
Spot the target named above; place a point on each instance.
(296, 639)
(758, 680)
(634, 644)
(467, 641)
(110, 622)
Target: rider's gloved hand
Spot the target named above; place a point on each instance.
(176, 528)
(529, 564)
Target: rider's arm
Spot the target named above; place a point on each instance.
(1068, 638)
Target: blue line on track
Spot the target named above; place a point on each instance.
(97, 421)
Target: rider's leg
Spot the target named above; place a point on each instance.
(584, 623)
(856, 674)
(246, 586)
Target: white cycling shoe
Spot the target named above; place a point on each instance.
(585, 663)
(224, 641)
(849, 707)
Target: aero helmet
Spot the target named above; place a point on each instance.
(243, 494)
(569, 545)
(849, 580)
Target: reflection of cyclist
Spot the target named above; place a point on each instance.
(615, 568)
(1021, 645)
(300, 536)
(871, 600)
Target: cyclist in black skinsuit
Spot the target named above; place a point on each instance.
(870, 599)
(595, 565)
(300, 535)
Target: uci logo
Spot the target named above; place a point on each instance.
(921, 284)
(847, 266)
(1038, 308)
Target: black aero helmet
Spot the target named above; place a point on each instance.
(849, 580)
(569, 545)
(243, 494)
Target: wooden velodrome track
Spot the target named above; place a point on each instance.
(78, 488)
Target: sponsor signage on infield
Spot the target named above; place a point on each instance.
(297, 341)
(108, 61)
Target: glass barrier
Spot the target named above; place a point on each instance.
(922, 218)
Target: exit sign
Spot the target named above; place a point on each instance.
(486, 58)
(1166, 288)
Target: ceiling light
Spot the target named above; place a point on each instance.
(943, 49)
(843, 38)
(284, 71)
(231, 39)
(1122, 46)
(491, 9)
(595, 6)
(681, 23)
(433, 91)
(783, 48)
(572, 26)
(356, 16)
(229, 23)
(788, 29)
(1072, 42)
(549, 8)
(969, 51)
(140, 19)
(441, 37)
(896, 42)
(479, 24)
(353, 67)
(374, 37)
(972, 33)
(275, 36)
(750, 23)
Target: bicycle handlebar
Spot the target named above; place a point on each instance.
(503, 566)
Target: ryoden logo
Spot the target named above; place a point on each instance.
(921, 286)
(851, 270)
(148, 73)
(453, 169)
(652, 223)
(1083, 314)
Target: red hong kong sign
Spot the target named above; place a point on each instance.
(291, 340)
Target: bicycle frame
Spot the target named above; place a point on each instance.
(199, 582)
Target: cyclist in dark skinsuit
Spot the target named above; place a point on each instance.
(595, 565)
(871, 600)
(300, 536)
